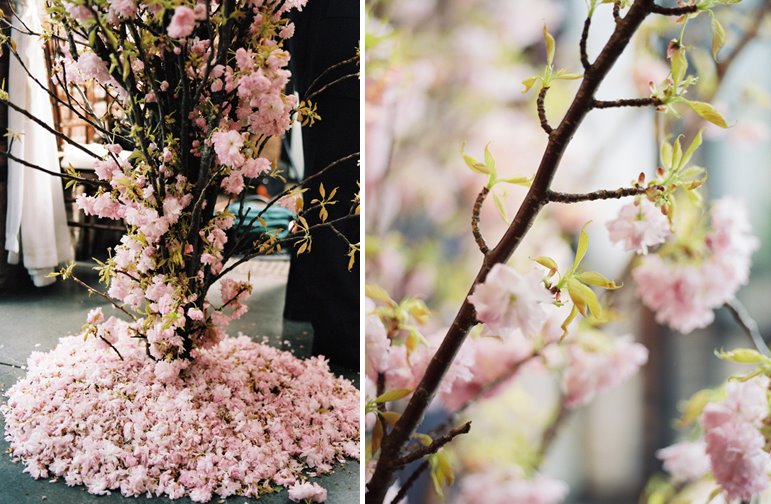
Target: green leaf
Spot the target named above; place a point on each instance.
(377, 293)
(391, 417)
(518, 180)
(475, 165)
(550, 46)
(707, 112)
(718, 37)
(679, 66)
(564, 75)
(393, 395)
(597, 279)
(695, 144)
(548, 263)
(489, 160)
(665, 153)
(583, 246)
(677, 154)
(743, 356)
(529, 83)
(584, 297)
(499, 205)
(423, 439)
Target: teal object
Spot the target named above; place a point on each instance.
(276, 217)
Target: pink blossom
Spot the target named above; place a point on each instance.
(685, 461)
(508, 301)
(95, 316)
(182, 22)
(735, 445)
(227, 145)
(254, 167)
(684, 294)
(124, 8)
(639, 226)
(307, 492)
(591, 370)
(91, 66)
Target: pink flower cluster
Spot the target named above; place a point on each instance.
(735, 445)
(508, 301)
(240, 417)
(684, 292)
(593, 368)
(508, 485)
(639, 225)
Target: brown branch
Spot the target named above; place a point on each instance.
(673, 11)
(402, 493)
(603, 194)
(111, 346)
(542, 110)
(582, 43)
(475, 220)
(629, 102)
(617, 11)
(53, 173)
(435, 445)
(329, 69)
(748, 325)
(49, 129)
(535, 199)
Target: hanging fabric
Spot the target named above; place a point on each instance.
(36, 225)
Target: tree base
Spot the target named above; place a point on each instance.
(241, 419)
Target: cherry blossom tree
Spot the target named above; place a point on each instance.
(195, 91)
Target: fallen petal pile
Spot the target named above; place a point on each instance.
(240, 420)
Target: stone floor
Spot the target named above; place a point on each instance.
(33, 319)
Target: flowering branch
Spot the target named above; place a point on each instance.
(535, 199)
(603, 194)
(475, 220)
(748, 325)
(60, 175)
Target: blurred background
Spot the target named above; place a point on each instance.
(441, 74)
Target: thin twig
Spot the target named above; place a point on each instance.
(402, 493)
(602, 194)
(329, 85)
(628, 102)
(617, 11)
(435, 445)
(329, 69)
(64, 176)
(475, 220)
(103, 295)
(748, 325)
(542, 110)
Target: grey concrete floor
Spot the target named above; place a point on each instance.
(34, 319)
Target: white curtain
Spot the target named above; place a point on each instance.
(36, 225)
